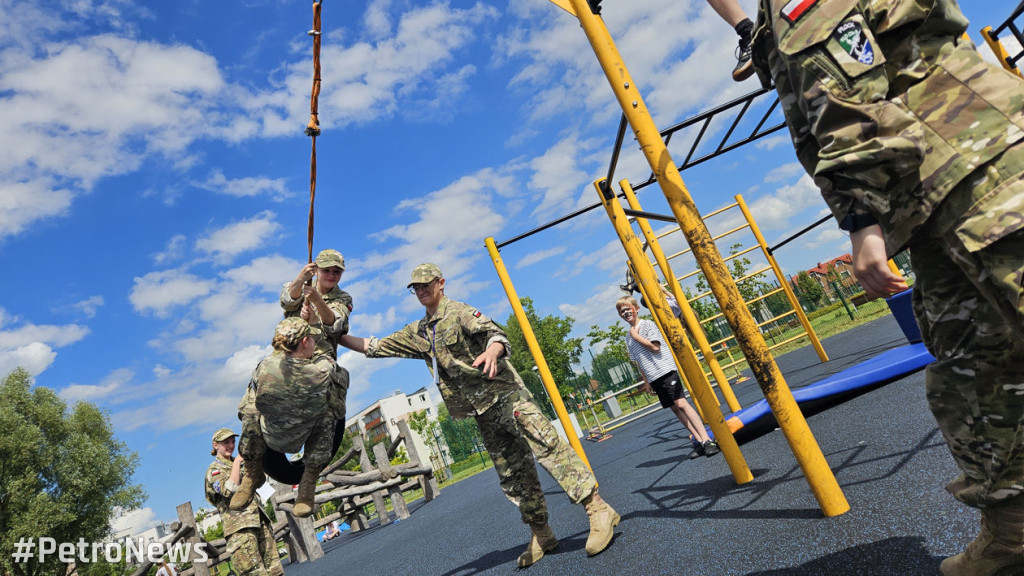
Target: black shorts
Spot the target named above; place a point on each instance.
(668, 388)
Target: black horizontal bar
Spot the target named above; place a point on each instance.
(649, 215)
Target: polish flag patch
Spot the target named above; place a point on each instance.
(476, 314)
(793, 10)
(215, 472)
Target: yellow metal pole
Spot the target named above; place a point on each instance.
(780, 399)
(895, 269)
(644, 275)
(997, 49)
(538, 356)
(782, 280)
(679, 365)
(689, 318)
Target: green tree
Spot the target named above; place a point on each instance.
(62, 474)
(462, 436)
(809, 289)
(615, 336)
(560, 351)
(428, 430)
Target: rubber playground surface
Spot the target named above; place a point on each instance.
(682, 516)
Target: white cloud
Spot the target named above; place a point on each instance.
(773, 142)
(539, 256)
(773, 212)
(784, 172)
(22, 203)
(245, 186)
(132, 522)
(374, 78)
(31, 346)
(448, 227)
(90, 393)
(174, 250)
(598, 309)
(268, 273)
(58, 336)
(231, 240)
(34, 357)
(89, 305)
(158, 292)
(557, 177)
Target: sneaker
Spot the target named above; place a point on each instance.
(711, 448)
(744, 65)
(698, 450)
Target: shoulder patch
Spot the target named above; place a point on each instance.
(476, 313)
(794, 9)
(214, 472)
(855, 42)
(216, 486)
(349, 306)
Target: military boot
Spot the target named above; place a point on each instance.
(542, 540)
(999, 545)
(603, 521)
(252, 478)
(304, 504)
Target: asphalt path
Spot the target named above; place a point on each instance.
(682, 516)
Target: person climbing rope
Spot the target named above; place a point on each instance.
(294, 401)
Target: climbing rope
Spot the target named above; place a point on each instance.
(313, 130)
(313, 127)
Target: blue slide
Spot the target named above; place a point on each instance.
(881, 369)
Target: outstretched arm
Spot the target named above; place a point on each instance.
(871, 264)
(353, 343)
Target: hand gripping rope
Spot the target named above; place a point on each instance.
(276, 464)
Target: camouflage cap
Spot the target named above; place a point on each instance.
(223, 434)
(425, 273)
(292, 330)
(328, 258)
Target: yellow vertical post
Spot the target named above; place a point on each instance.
(780, 399)
(782, 280)
(689, 318)
(998, 49)
(895, 269)
(534, 346)
(644, 275)
(679, 364)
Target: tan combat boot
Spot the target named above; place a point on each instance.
(999, 545)
(252, 478)
(304, 504)
(543, 540)
(603, 521)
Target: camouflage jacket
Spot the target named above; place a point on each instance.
(888, 106)
(456, 334)
(292, 397)
(220, 488)
(339, 301)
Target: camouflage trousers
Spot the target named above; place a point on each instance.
(969, 302)
(514, 430)
(254, 552)
(317, 450)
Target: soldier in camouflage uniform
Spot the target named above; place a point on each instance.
(914, 141)
(248, 531)
(468, 355)
(326, 307)
(294, 401)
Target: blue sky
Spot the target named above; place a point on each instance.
(154, 175)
